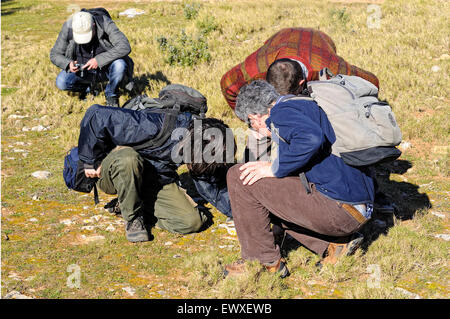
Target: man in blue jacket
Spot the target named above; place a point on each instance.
(145, 180)
(322, 210)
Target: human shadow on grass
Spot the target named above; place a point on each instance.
(142, 81)
(406, 199)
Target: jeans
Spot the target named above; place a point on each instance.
(114, 73)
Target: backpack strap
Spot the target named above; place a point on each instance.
(325, 74)
(167, 128)
(173, 99)
(295, 97)
(96, 200)
(305, 183)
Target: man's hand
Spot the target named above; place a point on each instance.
(93, 173)
(91, 64)
(254, 171)
(72, 67)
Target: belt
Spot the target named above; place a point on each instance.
(355, 213)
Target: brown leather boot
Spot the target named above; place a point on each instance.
(278, 267)
(235, 269)
(336, 251)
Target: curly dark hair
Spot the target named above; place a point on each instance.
(201, 128)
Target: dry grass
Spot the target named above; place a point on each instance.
(413, 37)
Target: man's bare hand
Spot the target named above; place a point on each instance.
(72, 67)
(254, 171)
(93, 173)
(91, 64)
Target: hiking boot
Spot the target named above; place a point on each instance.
(235, 269)
(278, 267)
(135, 230)
(239, 268)
(336, 251)
(112, 101)
(82, 96)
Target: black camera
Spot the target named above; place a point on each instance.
(80, 66)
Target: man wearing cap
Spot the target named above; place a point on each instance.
(91, 48)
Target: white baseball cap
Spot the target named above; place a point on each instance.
(82, 27)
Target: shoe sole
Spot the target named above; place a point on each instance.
(284, 272)
(353, 245)
(138, 237)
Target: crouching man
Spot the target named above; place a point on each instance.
(113, 145)
(90, 48)
(321, 208)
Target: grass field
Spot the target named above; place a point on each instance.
(49, 234)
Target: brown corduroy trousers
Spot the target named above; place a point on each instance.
(312, 219)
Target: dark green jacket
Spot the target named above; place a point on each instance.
(110, 38)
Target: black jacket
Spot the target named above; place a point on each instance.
(103, 128)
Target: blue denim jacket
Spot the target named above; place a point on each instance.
(214, 190)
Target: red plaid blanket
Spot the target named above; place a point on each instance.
(312, 47)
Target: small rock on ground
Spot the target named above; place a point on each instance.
(129, 290)
(16, 295)
(407, 293)
(445, 237)
(41, 174)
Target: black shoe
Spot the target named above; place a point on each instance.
(112, 101)
(113, 207)
(135, 230)
(82, 96)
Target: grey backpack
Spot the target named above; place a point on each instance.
(365, 127)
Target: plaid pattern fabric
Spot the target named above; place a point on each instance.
(312, 47)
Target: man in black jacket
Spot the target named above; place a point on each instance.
(145, 179)
(91, 48)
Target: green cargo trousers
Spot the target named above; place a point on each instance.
(125, 173)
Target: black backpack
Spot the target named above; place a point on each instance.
(97, 12)
(172, 100)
